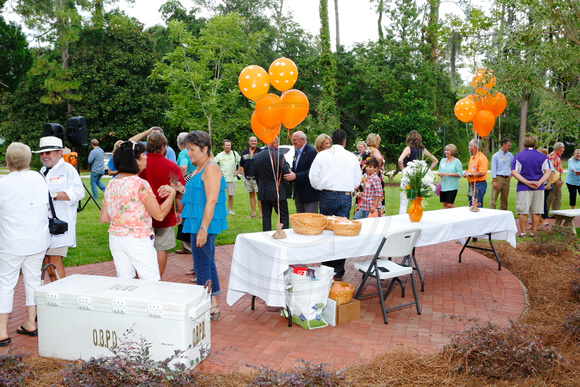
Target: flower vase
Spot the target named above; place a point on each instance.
(415, 210)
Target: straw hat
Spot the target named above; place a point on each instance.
(49, 143)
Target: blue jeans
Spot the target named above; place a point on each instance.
(338, 204)
(480, 187)
(96, 182)
(204, 263)
(361, 214)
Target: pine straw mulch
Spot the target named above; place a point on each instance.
(545, 266)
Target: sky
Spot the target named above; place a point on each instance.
(357, 18)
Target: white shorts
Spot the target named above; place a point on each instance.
(134, 256)
(10, 266)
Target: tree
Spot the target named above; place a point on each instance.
(112, 65)
(327, 111)
(15, 58)
(57, 22)
(201, 75)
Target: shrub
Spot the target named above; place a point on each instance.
(131, 365)
(572, 324)
(551, 243)
(306, 375)
(13, 370)
(502, 353)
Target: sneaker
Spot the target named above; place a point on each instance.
(231, 212)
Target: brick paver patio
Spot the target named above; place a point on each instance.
(241, 337)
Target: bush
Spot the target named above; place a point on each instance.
(501, 353)
(13, 370)
(572, 324)
(551, 243)
(131, 365)
(306, 375)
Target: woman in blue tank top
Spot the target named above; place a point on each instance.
(204, 212)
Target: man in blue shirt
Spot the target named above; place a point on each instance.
(501, 171)
(97, 161)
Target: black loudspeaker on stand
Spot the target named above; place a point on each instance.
(76, 128)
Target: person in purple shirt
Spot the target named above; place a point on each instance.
(531, 169)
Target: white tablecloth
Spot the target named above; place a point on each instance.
(259, 261)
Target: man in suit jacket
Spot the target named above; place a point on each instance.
(305, 197)
(269, 167)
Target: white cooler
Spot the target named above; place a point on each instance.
(81, 316)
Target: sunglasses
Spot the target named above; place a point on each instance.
(45, 153)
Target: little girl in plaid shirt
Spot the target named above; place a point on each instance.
(372, 192)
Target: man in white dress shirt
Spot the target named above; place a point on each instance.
(66, 190)
(336, 173)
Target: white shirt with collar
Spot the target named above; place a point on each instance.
(335, 169)
(63, 177)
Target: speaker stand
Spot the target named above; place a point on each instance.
(80, 208)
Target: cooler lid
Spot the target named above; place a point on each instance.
(169, 296)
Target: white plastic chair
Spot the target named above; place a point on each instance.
(398, 244)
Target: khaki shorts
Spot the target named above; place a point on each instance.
(62, 251)
(164, 238)
(530, 202)
(231, 189)
(250, 185)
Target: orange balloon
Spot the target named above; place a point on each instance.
(266, 135)
(283, 74)
(254, 82)
(465, 110)
(295, 107)
(269, 110)
(500, 104)
(483, 122)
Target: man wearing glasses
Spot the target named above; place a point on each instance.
(66, 189)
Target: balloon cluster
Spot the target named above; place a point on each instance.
(271, 111)
(484, 106)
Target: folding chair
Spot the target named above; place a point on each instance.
(398, 244)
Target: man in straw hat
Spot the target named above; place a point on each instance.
(66, 190)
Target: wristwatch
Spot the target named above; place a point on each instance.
(204, 228)
(53, 195)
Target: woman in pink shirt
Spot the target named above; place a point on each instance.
(128, 206)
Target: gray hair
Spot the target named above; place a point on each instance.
(476, 143)
(18, 156)
(181, 138)
(558, 145)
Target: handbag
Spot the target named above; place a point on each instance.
(438, 189)
(55, 225)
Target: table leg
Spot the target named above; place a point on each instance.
(466, 245)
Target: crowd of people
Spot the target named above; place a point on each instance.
(153, 190)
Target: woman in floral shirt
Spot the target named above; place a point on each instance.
(128, 206)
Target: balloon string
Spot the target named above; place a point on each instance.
(277, 178)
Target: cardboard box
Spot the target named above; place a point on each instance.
(337, 314)
(348, 312)
(81, 316)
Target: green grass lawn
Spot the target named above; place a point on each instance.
(92, 236)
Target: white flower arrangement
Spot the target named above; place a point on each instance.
(418, 180)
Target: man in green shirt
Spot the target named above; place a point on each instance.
(229, 162)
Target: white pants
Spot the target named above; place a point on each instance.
(403, 204)
(132, 255)
(10, 266)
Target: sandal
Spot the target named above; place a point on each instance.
(543, 226)
(213, 314)
(190, 272)
(521, 234)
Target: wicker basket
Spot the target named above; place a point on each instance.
(345, 229)
(307, 223)
(330, 222)
(341, 296)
